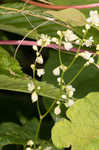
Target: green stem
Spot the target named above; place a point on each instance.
(78, 73)
(38, 108)
(34, 72)
(40, 50)
(60, 60)
(72, 62)
(37, 133)
(43, 116)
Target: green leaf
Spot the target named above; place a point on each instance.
(9, 65)
(82, 131)
(69, 16)
(21, 31)
(11, 133)
(20, 85)
(13, 21)
(22, 23)
(12, 78)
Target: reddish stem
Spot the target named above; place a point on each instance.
(31, 43)
(60, 7)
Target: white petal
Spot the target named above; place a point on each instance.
(39, 59)
(40, 72)
(31, 86)
(34, 97)
(64, 96)
(68, 45)
(56, 71)
(35, 48)
(30, 143)
(57, 110)
(70, 103)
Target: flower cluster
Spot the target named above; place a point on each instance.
(88, 42)
(68, 39)
(44, 40)
(39, 60)
(58, 70)
(88, 56)
(65, 98)
(93, 18)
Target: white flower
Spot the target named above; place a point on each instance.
(86, 64)
(44, 41)
(63, 68)
(28, 148)
(40, 42)
(57, 110)
(40, 72)
(60, 33)
(68, 45)
(97, 47)
(87, 26)
(32, 66)
(37, 54)
(84, 31)
(91, 60)
(35, 48)
(86, 55)
(55, 40)
(56, 71)
(31, 86)
(59, 80)
(34, 97)
(77, 42)
(39, 59)
(30, 143)
(64, 96)
(70, 93)
(69, 36)
(58, 102)
(93, 18)
(88, 42)
(70, 103)
(70, 90)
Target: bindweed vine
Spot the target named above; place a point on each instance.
(62, 77)
(67, 39)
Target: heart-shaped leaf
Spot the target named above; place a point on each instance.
(82, 131)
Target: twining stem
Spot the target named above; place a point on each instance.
(31, 43)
